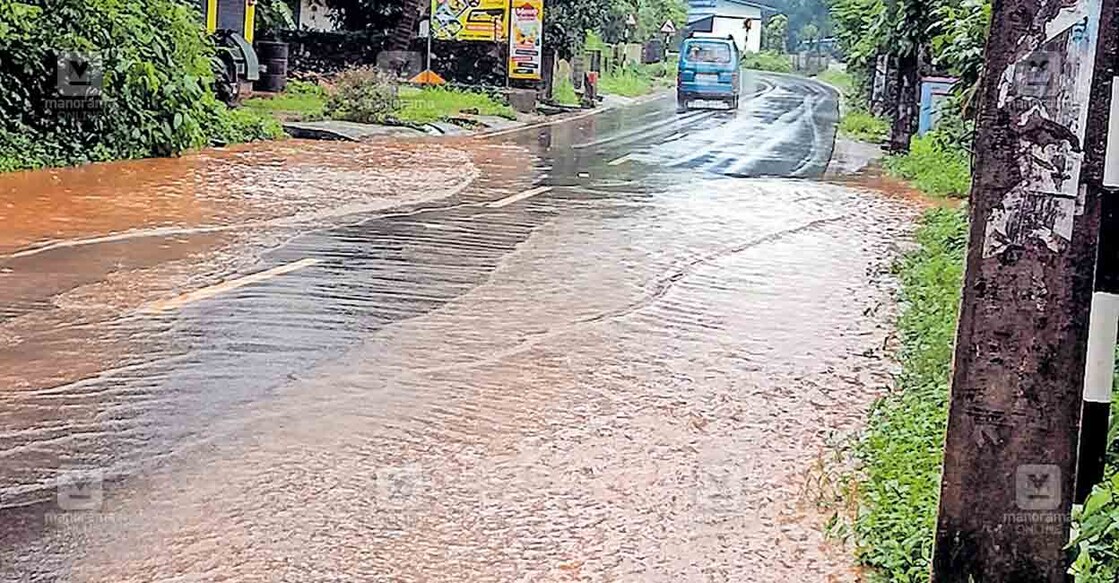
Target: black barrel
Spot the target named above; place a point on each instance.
(274, 64)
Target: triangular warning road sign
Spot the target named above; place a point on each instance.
(427, 77)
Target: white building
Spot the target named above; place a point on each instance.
(740, 19)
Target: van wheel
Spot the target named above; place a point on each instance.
(681, 104)
(733, 103)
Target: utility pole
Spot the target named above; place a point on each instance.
(1011, 448)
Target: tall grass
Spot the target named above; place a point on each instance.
(432, 104)
(934, 167)
(901, 450)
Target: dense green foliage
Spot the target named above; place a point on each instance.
(566, 22)
(768, 61)
(934, 167)
(902, 447)
(155, 100)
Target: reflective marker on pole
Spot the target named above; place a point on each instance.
(1102, 334)
(1111, 160)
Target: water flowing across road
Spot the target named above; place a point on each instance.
(611, 348)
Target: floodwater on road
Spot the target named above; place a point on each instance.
(595, 350)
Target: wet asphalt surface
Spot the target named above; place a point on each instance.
(613, 348)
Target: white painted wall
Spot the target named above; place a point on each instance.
(315, 15)
(730, 19)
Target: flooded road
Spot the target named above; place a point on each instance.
(609, 349)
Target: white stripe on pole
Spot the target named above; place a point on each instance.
(1102, 331)
(1111, 158)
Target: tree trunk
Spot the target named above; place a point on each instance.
(401, 38)
(905, 112)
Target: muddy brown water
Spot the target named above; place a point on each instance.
(624, 377)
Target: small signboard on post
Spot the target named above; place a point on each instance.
(668, 28)
(526, 39)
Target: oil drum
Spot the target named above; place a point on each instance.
(274, 66)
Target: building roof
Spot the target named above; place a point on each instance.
(711, 4)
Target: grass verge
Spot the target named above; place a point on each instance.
(858, 124)
(933, 167)
(637, 80)
(420, 106)
(768, 61)
(901, 450)
(300, 101)
(855, 122)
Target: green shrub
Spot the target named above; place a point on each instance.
(768, 61)
(156, 98)
(563, 92)
(362, 95)
(901, 451)
(1095, 524)
(934, 166)
(861, 125)
(1095, 535)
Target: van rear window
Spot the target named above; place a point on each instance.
(708, 53)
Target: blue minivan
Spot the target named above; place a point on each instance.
(708, 71)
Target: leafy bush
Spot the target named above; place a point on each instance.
(901, 450)
(563, 92)
(1095, 524)
(362, 95)
(155, 100)
(861, 125)
(768, 61)
(1095, 535)
(935, 166)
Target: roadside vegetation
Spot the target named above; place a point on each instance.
(899, 454)
(768, 60)
(934, 165)
(366, 96)
(155, 99)
(300, 101)
(894, 487)
(638, 80)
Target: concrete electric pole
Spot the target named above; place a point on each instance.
(1011, 448)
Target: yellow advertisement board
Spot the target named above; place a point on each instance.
(526, 39)
(469, 20)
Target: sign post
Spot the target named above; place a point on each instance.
(526, 39)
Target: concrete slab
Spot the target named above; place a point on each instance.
(346, 130)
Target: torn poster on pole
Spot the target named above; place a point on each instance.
(526, 39)
(1050, 110)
